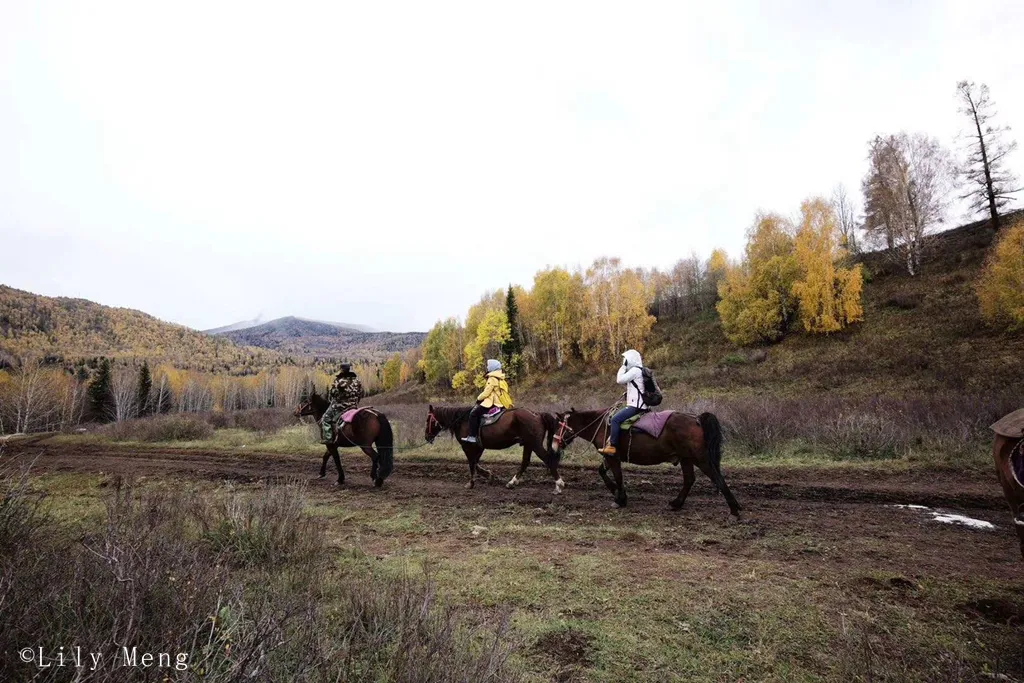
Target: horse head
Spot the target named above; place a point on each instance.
(307, 407)
(433, 426)
(565, 433)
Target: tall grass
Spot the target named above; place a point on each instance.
(241, 586)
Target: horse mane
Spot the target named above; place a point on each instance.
(451, 417)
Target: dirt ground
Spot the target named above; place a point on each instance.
(832, 540)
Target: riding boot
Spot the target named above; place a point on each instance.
(475, 416)
(607, 450)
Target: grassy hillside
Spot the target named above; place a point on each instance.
(61, 327)
(920, 336)
(300, 337)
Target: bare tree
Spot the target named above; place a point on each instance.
(906, 194)
(846, 216)
(32, 399)
(124, 388)
(989, 182)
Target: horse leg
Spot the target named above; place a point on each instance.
(603, 471)
(620, 492)
(472, 458)
(323, 465)
(337, 463)
(719, 481)
(553, 467)
(377, 481)
(688, 479)
(521, 474)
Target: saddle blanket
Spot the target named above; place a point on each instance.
(492, 415)
(350, 415)
(652, 422)
(1011, 425)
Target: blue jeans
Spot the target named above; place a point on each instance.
(617, 420)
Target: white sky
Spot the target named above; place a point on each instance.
(387, 163)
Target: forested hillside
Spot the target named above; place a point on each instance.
(921, 334)
(69, 329)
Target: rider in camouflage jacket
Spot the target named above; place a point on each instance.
(345, 394)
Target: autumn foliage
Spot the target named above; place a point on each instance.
(790, 273)
(1001, 286)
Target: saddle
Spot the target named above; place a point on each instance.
(651, 422)
(349, 415)
(1011, 426)
(492, 415)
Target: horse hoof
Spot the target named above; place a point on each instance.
(675, 506)
(468, 485)
(616, 505)
(378, 483)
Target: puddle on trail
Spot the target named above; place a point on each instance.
(949, 517)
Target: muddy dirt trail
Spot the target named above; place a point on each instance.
(954, 489)
(815, 520)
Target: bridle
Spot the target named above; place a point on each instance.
(432, 421)
(566, 434)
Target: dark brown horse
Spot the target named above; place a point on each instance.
(369, 428)
(1008, 453)
(516, 426)
(687, 440)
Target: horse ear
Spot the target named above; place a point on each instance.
(430, 407)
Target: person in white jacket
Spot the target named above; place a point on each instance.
(632, 375)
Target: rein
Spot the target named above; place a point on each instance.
(563, 426)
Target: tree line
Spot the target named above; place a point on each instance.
(797, 274)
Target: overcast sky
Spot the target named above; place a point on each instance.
(386, 163)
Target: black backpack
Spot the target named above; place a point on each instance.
(651, 392)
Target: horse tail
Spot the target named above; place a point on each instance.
(385, 443)
(712, 439)
(550, 427)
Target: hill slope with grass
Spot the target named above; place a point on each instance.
(920, 335)
(32, 325)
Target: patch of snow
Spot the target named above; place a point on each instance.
(950, 517)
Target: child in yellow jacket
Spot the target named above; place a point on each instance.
(495, 393)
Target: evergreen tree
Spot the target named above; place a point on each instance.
(101, 400)
(145, 387)
(512, 348)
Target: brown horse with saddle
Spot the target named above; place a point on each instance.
(655, 438)
(1008, 453)
(500, 430)
(361, 428)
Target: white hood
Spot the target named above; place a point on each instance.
(631, 375)
(633, 359)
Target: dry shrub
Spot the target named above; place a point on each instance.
(243, 585)
(160, 428)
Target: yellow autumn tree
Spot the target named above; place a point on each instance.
(553, 315)
(391, 375)
(442, 352)
(491, 331)
(756, 299)
(616, 310)
(1001, 286)
(828, 296)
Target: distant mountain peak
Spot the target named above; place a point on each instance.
(284, 321)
